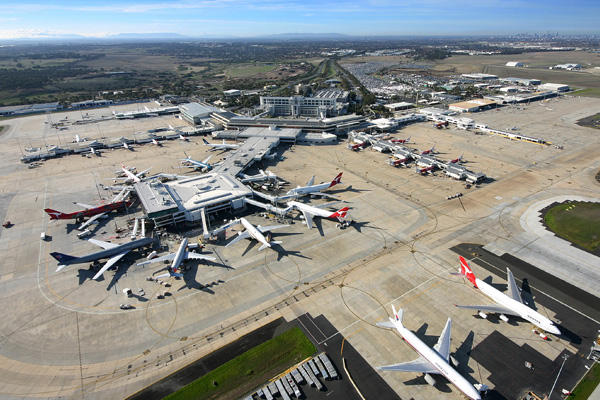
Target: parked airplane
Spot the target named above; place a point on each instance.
(511, 304)
(441, 124)
(430, 151)
(431, 361)
(398, 161)
(313, 189)
(257, 233)
(79, 139)
(456, 160)
(357, 146)
(156, 142)
(204, 166)
(91, 211)
(400, 141)
(224, 146)
(177, 257)
(131, 177)
(114, 252)
(309, 212)
(424, 170)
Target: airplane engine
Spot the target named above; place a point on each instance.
(482, 314)
(454, 361)
(503, 317)
(430, 380)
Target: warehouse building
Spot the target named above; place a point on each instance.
(473, 105)
(555, 87)
(514, 64)
(195, 112)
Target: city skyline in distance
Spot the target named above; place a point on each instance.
(247, 19)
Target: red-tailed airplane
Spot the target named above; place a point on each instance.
(430, 151)
(356, 146)
(399, 161)
(441, 124)
(407, 140)
(93, 212)
(459, 159)
(424, 170)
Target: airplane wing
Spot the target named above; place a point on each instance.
(493, 308)
(264, 229)
(104, 245)
(513, 290)
(241, 236)
(167, 257)
(329, 196)
(308, 218)
(443, 344)
(121, 196)
(92, 219)
(195, 256)
(420, 365)
(206, 159)
(85, 205)
(111, 261)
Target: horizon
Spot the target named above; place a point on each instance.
(249, 19)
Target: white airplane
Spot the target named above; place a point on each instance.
(432, 360)
(313, 189)
(178, 257)
(131, 177)
(156, 142)
(511, 304)
(224, 146)
(197, 165)
(309, 212)
(256, 232)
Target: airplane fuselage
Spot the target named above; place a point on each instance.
(439, 363)
(255, 233)
(179, 255)
(111, 252)
(91, 211)
(523, 310)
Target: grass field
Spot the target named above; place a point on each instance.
(588, 384)
(240, 71)
(1, 128)
(576, 222)
(590, 92)
(243, 373)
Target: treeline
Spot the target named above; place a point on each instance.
(35, 78)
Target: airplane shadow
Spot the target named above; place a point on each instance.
(348, 188)
(441, 383)
(526, 294)
(359, 225)
(463, 353)
(281, 252)
(85, 274)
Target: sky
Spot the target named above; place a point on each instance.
(248, 18)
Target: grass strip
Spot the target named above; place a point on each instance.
(587, 385)
(250, 369)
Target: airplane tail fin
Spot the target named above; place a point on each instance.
(465, 271)
(63, 259)
(337, 180)
(398, 315)
(53, 213)
(340, 214)
(205, 142)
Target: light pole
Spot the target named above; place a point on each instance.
(565, 356)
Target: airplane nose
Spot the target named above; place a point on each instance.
(554, 330)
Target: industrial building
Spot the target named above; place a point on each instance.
(557, 87)
(514, 64)
(480, 77)
(195, 112)
(29, 109)
(399, 106)
(521, 81)
(91, 103)
(473, 105)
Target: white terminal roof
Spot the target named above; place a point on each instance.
(206, 190)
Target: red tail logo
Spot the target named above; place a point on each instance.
(465, 270)
(340, 214)
(338, 179)
(53, 213)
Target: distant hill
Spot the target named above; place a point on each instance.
(311, 36)
(159, 35)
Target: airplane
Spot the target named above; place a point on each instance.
(131, 177)
(357, 146)
(61, 128)
(127, 146)
(177, 257)
(441, 124)
(197, 165)
(180, 132)
(114, 252)
(313, 189)
(399, 161)
(79, 139)
(434, 360)
(430, 151)
(511, 304)
(456, 160)
(309, 212)
(424, 170)
(224, 146)
(93, 212)
(156, 142)
(407, 140)
(257, 233)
